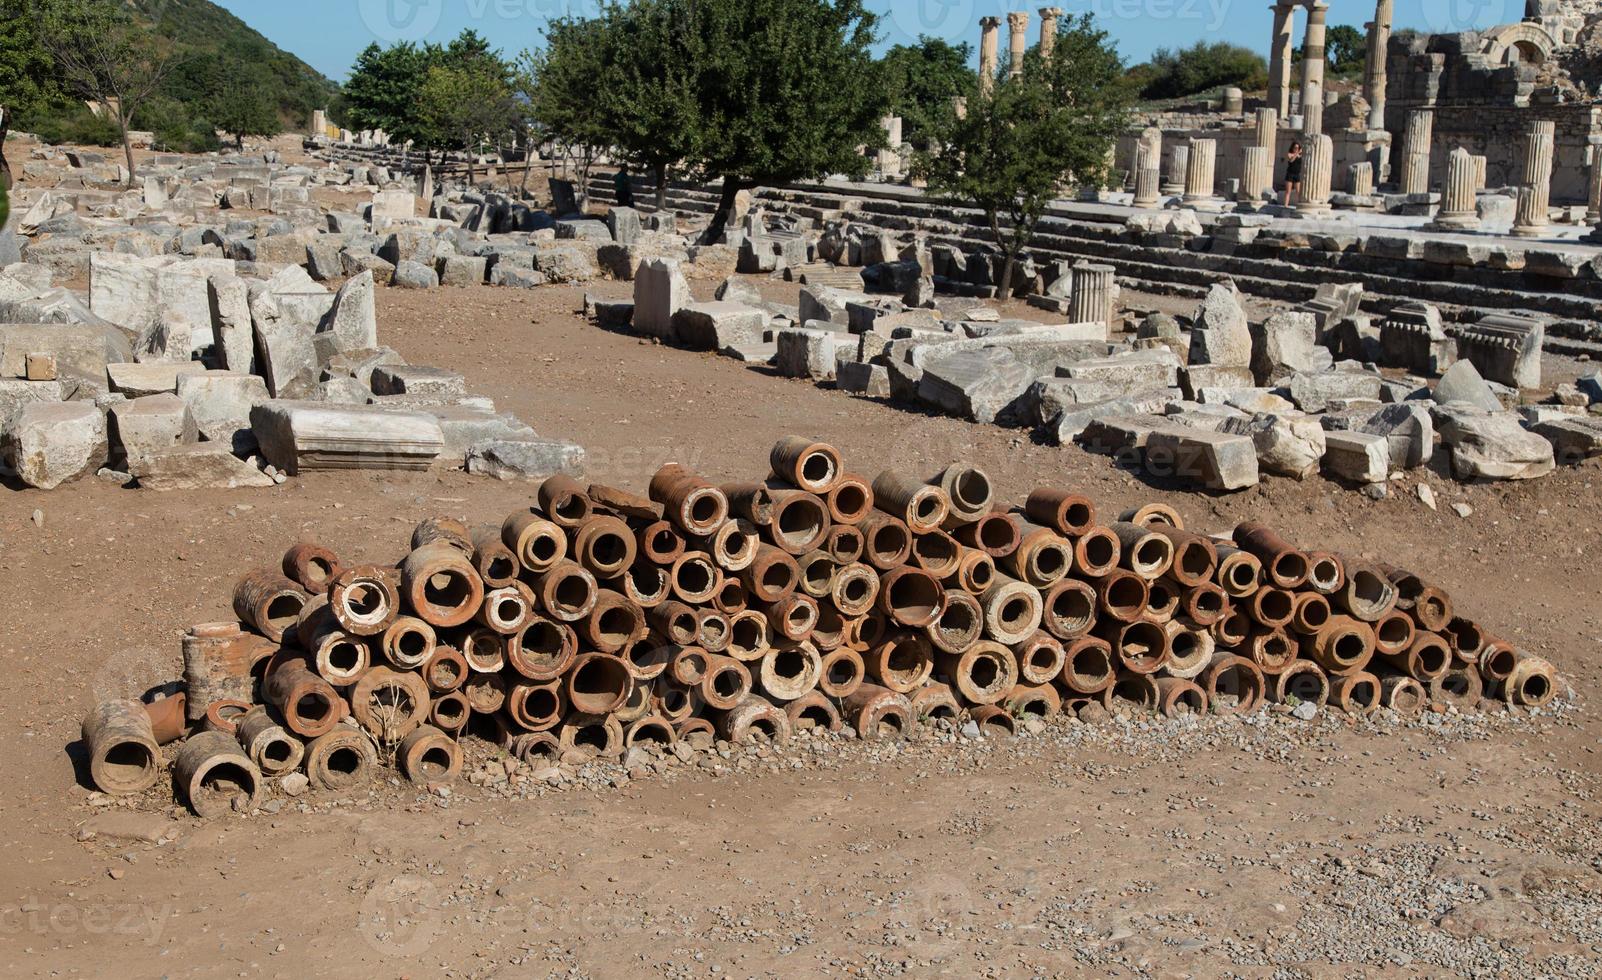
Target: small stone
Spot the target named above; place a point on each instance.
(38, 517)
(1462, 509)
(1306, 711)
(1426, 495)
(294, 784)
(1377, 491)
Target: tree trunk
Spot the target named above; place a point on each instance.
(5, 130)
(661, 186)
(123, 123)
(714, 231)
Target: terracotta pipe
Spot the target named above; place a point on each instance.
(124, 758)
(772, 575)
(440, 585)
(813, 711)
(1162, 601)
(1302, 680)
(407, 643)
(1190, 649)
(307, 703)
(794, 616)
(215, 777)
(1121, 596)
(446, 670)
(273, 750)
(724, 683)
(850, 499)
(597, 683)
(922, 507)
(1357, 693)
(485, 693)
(1177, 696)
(1460, 687)
(748, 635)
(878, 712)
(1068, 609)
(429, 757)
(1310, 612)
(712, 630)
(1239, 572)
(543, 651)
(969, 493)
(935, 702)
(1195, 559)
(959, 625)
(750, 501)
(1532, 683)
(1087, 666)
(1204, 604)
(733, 544)
(1326, 574)
(854, 589)
(993, 721)
(493, 560)
(694, 505)
(1032, 700)
(389, 703)
(995, 534)
(1012, 610)
(1145, 552)
(981, 674)
(843, 672)
(223, 716)
(845, 543)
(1040, 658)
(612, 624)
(566, 591)
(659, 543)
(1233, 684)
(1402, 694)
(442, 530)
(801, 462)
(340, 760)
(311, 566)
(537, 542)
(901, 663)
(169, 719)
(1042, 557)
(788, 672)
(221, 661)
(604, 545)
(650, 730)
(975, 570)
(1272, 650)
(688, 665)
(268, 602)
(938, 553)
(565, 501)
(887, 542)
(913, 598)
(1140, 647)
(1343, 646)
(1393, 632)
(752, 716)
(536, 707)
(1097, 552)
(1270, 607)
(365, 599)
(1285, 565)
(1366, 594)
(817, 573)
(696, 578)
(450, 712)
(1153, 515)
(1069, 514)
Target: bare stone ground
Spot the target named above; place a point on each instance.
(1186, 848)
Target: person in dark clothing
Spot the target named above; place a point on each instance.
(1293, 173)
(624, 186)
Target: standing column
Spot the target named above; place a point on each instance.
(1360, 179)
(1146, 177)
(989, 36)
(1257, 173)
(1199, 173)
(1374, 78)
(1092, 298)
(1416, 151)
(1279, 58)
(1530, 215)
(1317, 169)
(1313, 70)
(1268, 129)
(1048, 30)
(1178, 170)
(1593, 199)
(1479, 171)
(1018, 41)
(1458, 212)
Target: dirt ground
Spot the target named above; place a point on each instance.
(1274, 848)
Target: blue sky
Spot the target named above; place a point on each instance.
(328, 34)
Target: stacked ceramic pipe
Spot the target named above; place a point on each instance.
(598, 619)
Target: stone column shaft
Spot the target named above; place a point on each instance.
(1313, 70)
(1279, 58)
(1048, 30)
(1317, 170)
(1178, 170)
(1257, 174)
(1199, 181)
(1374, 74)
(1458, 212)
(1416, 139)
(1593, 199)
(1268, 129)
(1018, 39)
(1092, 297)
(1360, 179)
(989, 38)
(1530, 216)
(1146, 176)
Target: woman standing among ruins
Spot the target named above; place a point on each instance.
(1293, 173)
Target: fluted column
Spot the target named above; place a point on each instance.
(1374, 76)
(1360, 179)
(1256, 175)
(1479, 171)
(1279, 57)
(1317, 170)
(1593, 199)
(1530, 215)
(1048, 30)
(1458, 211)
(1199, 173)
(1018, 39)
(989, 38)
(1313, 70)
(1416, 151)
(1092, 297)
(1147, 192)
(1178, 170)
(1268, 129)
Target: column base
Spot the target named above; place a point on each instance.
(1530, 231)
(1313, 210)
(1455, 222)
(1146, 203)
(1203, 203)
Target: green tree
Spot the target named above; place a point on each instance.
(1012, 148)
(383, 89)
(921, 80)
(1345, 50)
(27, 84)
(102, 55)
(568, 77)
(243, 110)
(649, 102)
(1200, 67)
(463, 106)
(786, 90)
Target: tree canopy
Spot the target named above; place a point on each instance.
(1203, 66)
(921, 80)
(1012, 148)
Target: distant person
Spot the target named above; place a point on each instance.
(1293, 173)
(624, 185)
